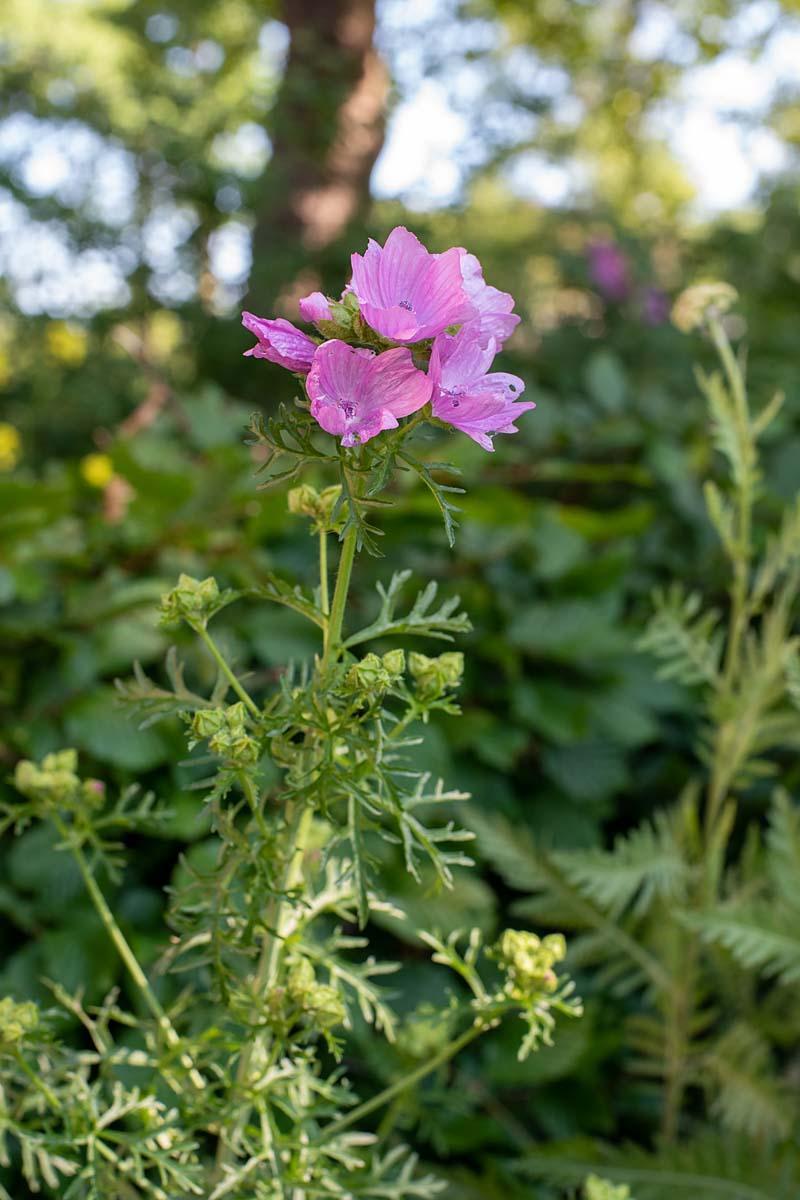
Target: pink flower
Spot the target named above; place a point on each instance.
(608, 267)
(404, 292)
(280, 342)
(315, 307)
(465, 396)
(491, 308)
(356, 394)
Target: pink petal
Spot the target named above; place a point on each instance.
(395, 323)
(396, 384)
(439, 298)
(315, 307)
(280, 342)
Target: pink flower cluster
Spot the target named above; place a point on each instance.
(406, 296)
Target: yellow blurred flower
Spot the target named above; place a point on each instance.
(97, 470)
(66, 342)
(10, 447)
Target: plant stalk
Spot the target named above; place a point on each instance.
(333, 630)
(214, 651)
(170, 1034)
(401, 1085)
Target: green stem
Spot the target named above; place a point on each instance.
(40, 1085)
(333, 630)
(323, 572)
(125, 952)
(743, 541)
(401, 1085)
(265, 978)
(226, 671)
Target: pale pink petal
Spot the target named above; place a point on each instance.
(280, 342)
(396, 384)
(315, 307)
(395, 323)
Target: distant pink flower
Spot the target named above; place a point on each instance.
(466, 396)
(491, 307)
(404, 292)
(608, 267)
(655, 306)
(315, 307)
(280, 342)
(356, 394)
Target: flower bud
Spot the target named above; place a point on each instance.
(227, 734)
(54, 780)
(600, 1189)
(434, 676)
(16, 1021)
(374, 674)
(306, 501)
(528, 961)
(702, 303)
(193, 600)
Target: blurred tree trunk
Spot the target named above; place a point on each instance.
(327, 129)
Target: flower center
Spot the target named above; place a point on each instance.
(453, 393)
(406, 304)
(348, 408)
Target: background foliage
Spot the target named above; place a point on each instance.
(123, 404)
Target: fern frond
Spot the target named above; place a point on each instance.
(758, 937)
(645, 865)
(685, 638)
(746, 1095)
(710, 1167)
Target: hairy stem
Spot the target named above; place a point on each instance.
(266, 975)
(324, 600)
(125, 952)
(215, 653)
(333, 630)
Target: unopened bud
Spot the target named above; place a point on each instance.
(435, 676)
(17, 1020)
(193, 601)
(306, 501)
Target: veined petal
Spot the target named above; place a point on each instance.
(280, 342)
(395, 323)
(439, 298)
(355, 394)
(315, 307)
(396, 385)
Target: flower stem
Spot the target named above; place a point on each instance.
(125, 952)
(266, 975)
(49, 1095)
(333, 630)
(401, 1085)
(215, 653)
(323, 572)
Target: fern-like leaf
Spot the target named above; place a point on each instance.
(686, 639)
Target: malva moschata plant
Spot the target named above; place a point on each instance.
(233, 1084)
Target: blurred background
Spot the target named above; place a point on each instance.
(164, 163)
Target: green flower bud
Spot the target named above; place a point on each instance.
(54, 780)
(193, 600)
(528, 962)
(16, 1021)
(227, 734)
(596, 1188)
(306, 501)
(699, 304)
(394, 663)
(374, 674)
(434, 676)
(320, 1004)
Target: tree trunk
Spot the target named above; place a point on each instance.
(327, 129)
